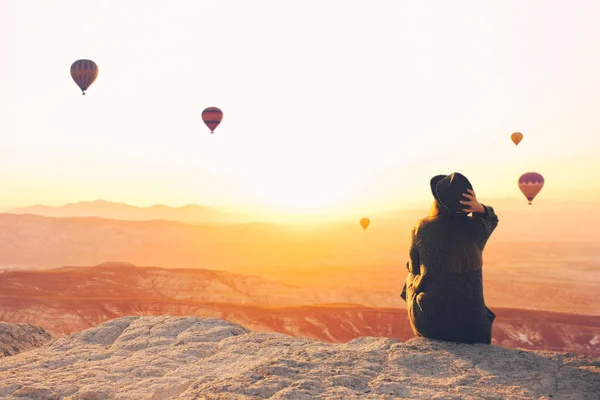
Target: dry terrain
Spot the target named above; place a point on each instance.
(163, 358)
(337, 257)
(69, 300)
(331, 281)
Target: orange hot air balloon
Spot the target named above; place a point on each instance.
(84, 73)
(212, 117)
(364, 222)
(530, 184)
(516, 137)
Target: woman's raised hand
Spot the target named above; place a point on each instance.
(472, 204)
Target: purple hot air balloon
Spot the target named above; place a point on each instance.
(212, 117)
(530, 184)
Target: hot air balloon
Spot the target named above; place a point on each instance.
(364, 222)
(84, 73)
(530, 184)
(212, 117)
(516, 137)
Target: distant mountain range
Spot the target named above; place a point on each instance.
(36, 241)
(199, 214)
(191, 213)
(580, 212)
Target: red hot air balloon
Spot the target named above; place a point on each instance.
(530, 184)
(84, 73)
(212, 117)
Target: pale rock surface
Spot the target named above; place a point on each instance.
(195, 358)
(15, 338)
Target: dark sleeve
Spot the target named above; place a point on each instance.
(485, 224)
(413, 263)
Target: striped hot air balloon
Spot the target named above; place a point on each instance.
(530, 184)
(212, 117)
(84, 73)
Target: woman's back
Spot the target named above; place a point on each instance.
(444, 287)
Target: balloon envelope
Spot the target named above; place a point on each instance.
(516, 137)
(84, 73)
(212, 117)
(530, 184)
(364, 222)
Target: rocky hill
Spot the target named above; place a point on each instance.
(15, 338)
(194, 358)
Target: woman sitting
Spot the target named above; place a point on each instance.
(444, 287)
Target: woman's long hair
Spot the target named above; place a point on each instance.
(459, 233)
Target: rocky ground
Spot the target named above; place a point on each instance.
(207, 358)
(15, 338)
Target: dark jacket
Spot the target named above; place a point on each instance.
(442, 304)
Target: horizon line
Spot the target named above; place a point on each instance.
(264, 204)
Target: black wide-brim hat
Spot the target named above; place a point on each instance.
(448, 191)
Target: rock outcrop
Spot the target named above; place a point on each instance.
(194, 358)
(15, 338)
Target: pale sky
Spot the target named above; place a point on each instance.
(325, 102)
